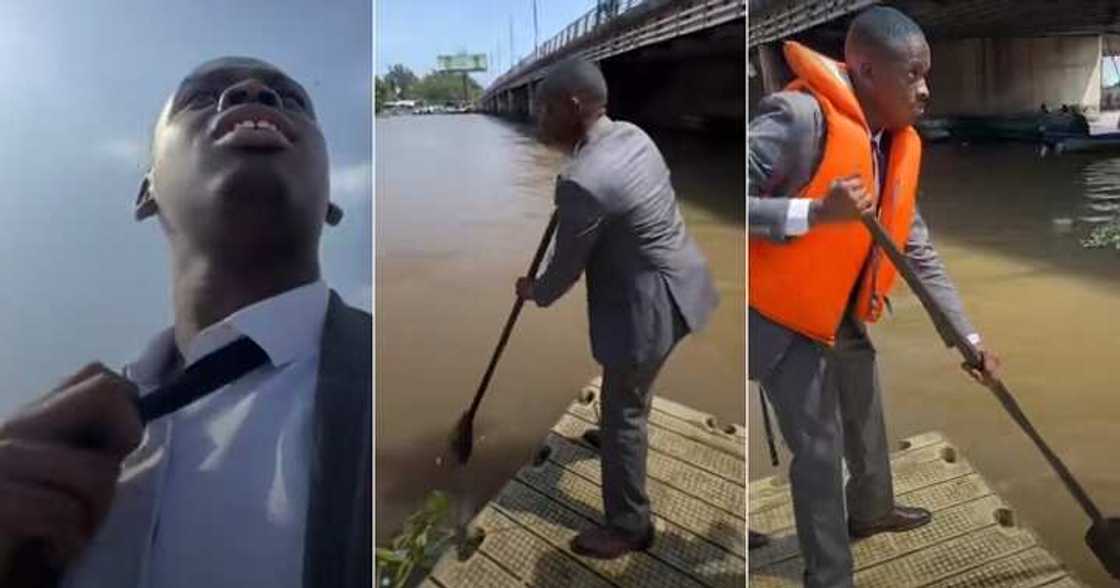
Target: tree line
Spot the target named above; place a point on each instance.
(400, 83)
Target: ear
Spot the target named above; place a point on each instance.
(866, 71)
(145, 201)
(334, 214)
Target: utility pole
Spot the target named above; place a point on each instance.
(536, 39)
(511, 40)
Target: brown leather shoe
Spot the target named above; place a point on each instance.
(902, 518)
(593, 438)
(756, 539)
(607, 543)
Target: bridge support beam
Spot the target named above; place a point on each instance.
(1015, 75)
(775, 73)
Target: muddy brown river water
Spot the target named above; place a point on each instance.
(461, 201)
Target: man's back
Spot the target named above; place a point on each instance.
(644, 263)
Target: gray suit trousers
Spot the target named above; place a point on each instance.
(626, 400)
(828, 404)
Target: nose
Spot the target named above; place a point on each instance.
(923, 91)
(248, 91)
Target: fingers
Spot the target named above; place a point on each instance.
(973, 373)
(524, 288)
(986, 375)
(88, 476)
(60, 460)
(96, 411)
(863, 202)
(87, 371)
(35, 512)
(854, 195)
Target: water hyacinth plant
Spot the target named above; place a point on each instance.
(414, 551)
(1105, 235)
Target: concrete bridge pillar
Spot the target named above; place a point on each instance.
(532, 90)
(1015, 75)
(774, 71)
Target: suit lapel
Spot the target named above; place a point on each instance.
(338, 547)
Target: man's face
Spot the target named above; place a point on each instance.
(899, 82)
(240, 161)
(557, 119)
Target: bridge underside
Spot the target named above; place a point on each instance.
(689, 83)
(674, 64)
(772, 20)
(692, 82)
(990, 57)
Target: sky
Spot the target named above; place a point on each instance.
(413, 33)
(1110, 70)
(83, 83)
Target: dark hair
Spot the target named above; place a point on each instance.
(575, 77)
(883, 27)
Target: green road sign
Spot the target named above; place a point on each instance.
(462, 62)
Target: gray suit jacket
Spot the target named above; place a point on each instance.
(785, 147)
(338, 550)
(648, 283)
(338, 547)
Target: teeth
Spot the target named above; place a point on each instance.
(256, 124)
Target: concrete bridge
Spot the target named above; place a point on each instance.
(668, 63)
(990, 57)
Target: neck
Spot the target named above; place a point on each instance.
(585, 127)
(206, 290)
(874, 121)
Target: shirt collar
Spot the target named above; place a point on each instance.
(877, 140)
(287, 327)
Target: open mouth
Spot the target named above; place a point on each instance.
(253, 126)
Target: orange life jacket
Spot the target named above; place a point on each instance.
(805, 284)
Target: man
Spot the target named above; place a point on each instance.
(266, 481)
(837, 144)
(648, 284)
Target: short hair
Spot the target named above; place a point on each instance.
(575, 77)
(882, 28)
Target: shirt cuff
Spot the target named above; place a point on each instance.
(797, 217)
(974, 338)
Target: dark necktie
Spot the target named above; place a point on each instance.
(203, 377)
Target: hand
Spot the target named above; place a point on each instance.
(524, 288)
(59, 462)
(988, 374)
(847, 199)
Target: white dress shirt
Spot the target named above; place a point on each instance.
(217, 493)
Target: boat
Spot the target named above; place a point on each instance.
(1077, 143)
(1028, 128)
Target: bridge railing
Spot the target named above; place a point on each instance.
(591, 20)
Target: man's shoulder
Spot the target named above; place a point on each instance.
(599, 170)
(348, 329)
(799, 110)
(627, 134)
(355, 314)
(795, 101)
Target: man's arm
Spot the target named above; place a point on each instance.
(580, 221)
(784, 140)
(929, 268)
(927, 264)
